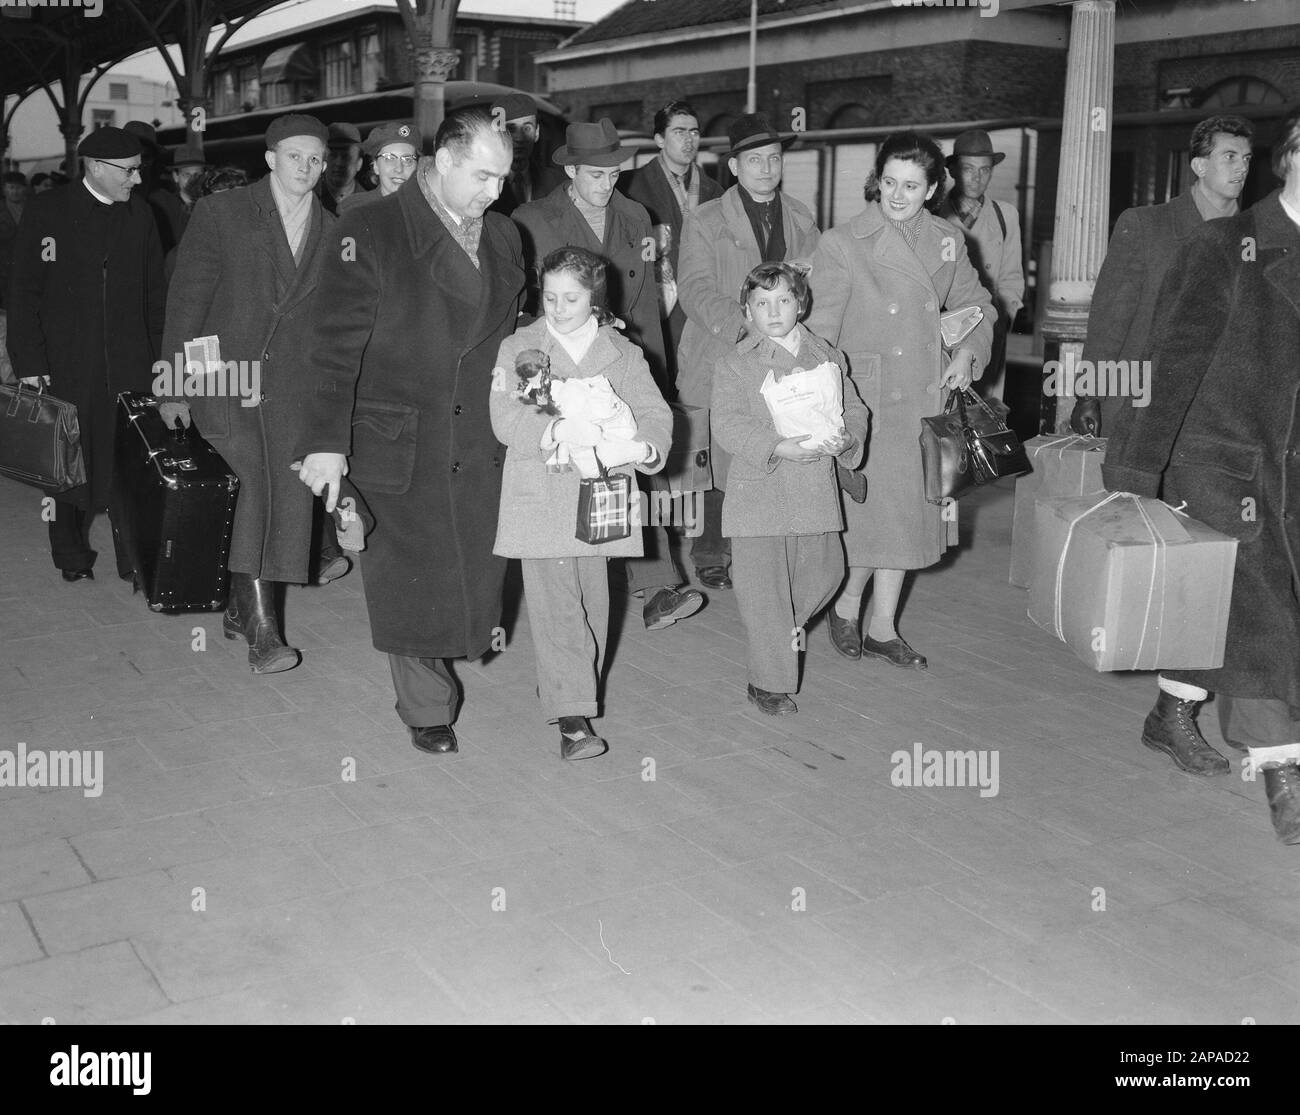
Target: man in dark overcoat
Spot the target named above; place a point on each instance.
(1223, 435)
(86, 317)
(247, 274)
(588, 212)
(670, 186)
(1143, 248)
(415, 301)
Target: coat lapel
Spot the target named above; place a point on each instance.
(502, 282)
(738, 222)
(434, 248)
(271, 238)
(1278, 248)
(893, 252)
(306, 274)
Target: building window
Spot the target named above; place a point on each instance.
(337, 65)
(372, 62)
(277, 93)
(249, 89)
(1238, 91)
(467, 66)
(118, 91)
(103, 118)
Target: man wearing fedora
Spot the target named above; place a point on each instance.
(86, 318)
(992, 231)
(588, 212)
(722, 241)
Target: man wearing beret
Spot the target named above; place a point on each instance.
(407, 329)
(246, 273)
(86, 318)
(992, 230)
(517, 113)
(342, 164)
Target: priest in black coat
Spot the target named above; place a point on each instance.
(86, 317)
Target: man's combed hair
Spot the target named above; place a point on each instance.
(459, 129)
(1204, 132)
(665, 115)
(910, 147)
(1286, 144)
(767, 276)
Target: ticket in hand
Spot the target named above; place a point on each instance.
(956, 325)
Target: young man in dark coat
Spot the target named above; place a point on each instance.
(415, 301)
(1222, 434)
(669, 187)
(86, 317)
(247, 273)
(588, 212)
(1124, 306)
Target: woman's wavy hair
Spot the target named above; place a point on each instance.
(911, 147)
(588, 268)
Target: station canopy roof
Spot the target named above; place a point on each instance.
(36, 34)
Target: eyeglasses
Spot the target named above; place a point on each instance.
(407, 161)
(130, 170)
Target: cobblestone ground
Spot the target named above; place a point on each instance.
(273, 849)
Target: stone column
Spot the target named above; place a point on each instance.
(1082, 189)
(433, 65)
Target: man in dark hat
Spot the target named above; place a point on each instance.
(86, 318)
(587, 212)
(992, 231)
(517, 113)
(246, 274)
(722, 241)
(342, 165)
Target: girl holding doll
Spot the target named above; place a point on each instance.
(782, 511)
(570, 395)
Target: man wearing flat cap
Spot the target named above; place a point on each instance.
(517, 113)
(588, 212)
(86, 318)
(722, 241)
(246, 274)
(992, 231)
(342, 164)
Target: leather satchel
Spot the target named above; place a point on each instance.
(966, 446)
(40, 439)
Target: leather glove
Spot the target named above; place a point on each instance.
(1086, 417)
(617, 451)
(576, 431)
(170, 411)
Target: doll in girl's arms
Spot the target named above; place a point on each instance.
(533, 367)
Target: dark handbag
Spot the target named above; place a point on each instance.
(604, 508)
(40, 439)
(966, 446)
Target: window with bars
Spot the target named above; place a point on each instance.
(372, 62)
(337, 69)
(118, 91)
(103, 118)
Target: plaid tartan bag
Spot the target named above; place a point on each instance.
(604, 508)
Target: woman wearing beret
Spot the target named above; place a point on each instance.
(394, 149)
(880, 283)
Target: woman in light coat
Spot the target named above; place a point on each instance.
(880, 283)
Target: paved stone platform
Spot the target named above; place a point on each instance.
(273, 849)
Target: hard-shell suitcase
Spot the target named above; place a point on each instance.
(174, 505)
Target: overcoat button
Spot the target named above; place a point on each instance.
(263, 398)
(929, 305)
(893, 307)
(456, 467)
(895, 395)
(898, 352)
(458, 409)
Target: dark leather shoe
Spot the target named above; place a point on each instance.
(1171, 727)
(714, 576)
(337, 568)
(577, 740)
(437, 739)
(668, 605)
(71, 575)
(846, 634)
(774, 704)
(896, 652)
(1282, 786)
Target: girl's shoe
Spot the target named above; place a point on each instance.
(577, 740)
(895, 652)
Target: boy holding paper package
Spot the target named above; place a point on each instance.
(784, 409)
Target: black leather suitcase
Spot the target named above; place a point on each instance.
(174, 505)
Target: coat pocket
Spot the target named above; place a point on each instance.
(383, 446)
(1220, 481)
(864, 367)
